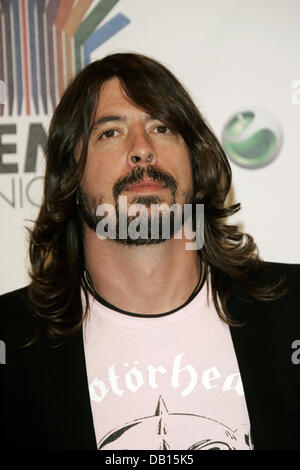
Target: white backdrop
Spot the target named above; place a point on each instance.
(230, 55)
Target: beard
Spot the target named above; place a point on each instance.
(87, 208)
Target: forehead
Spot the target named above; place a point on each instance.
(113, 96)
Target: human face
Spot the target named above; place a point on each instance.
(126, 143)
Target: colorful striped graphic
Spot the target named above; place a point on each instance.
(2, 83)
(44, 43)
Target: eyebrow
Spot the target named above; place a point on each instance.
(113, 118)
(105, 119)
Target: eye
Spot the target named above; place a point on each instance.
(162, 130)
(108, 134)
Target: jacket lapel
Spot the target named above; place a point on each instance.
(70, 416)
(253, 349)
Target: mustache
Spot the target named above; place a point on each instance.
(138, 173)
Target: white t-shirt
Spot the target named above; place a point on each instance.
(167, 382)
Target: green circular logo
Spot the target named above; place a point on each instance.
(252, 138)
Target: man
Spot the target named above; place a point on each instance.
(126, 340)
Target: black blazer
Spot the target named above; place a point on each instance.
(45, 400)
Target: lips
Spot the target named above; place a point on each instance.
(145, 185)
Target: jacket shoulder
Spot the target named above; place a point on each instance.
(288, 269)
(14, 295)
(286, 275)
(289, 274)
(16, 320)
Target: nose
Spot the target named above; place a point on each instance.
(141, 151)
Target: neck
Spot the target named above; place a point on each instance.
(145, 279)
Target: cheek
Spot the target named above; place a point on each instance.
(183, 168)
(100, 174)
(92, 173)
(187, 168)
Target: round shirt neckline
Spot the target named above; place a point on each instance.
(143, 321)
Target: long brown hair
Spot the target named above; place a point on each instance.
(56, 241)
